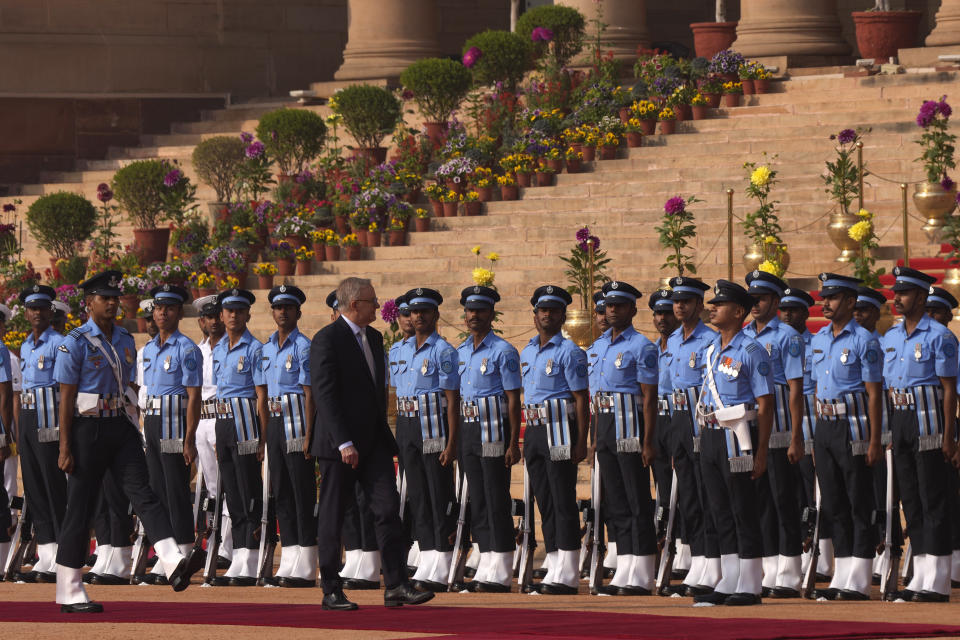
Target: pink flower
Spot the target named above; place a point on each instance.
(104, 194)
(172, 178)
(255, 150)
(541, 34)
(389, 311)
(247, 138)
(471, 57)
(674, 206)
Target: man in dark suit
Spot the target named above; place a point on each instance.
(353, 443)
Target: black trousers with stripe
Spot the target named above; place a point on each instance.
(491, 519)
(170, 480)
(241, 482)
(663, 470)
(44, 484)
(732, 497)
(293, 485)
(779, 509)
(429, 489)
(554, 485)
(699, 530)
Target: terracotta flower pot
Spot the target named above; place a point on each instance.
(294, 241)
(881, 34)
(352, 253)
(556, 165)
(456, 187)
(141, 326)
(524, 179)
(485, 193)
(668, 127)
(699, 111)
(713, 99)
(683, 112)
(608, 153)
(544, 179)
(130, 304)
(761, 86)
(473, 208)
(318, 248)
(437, 208)
(194, 293)
(303, 267)
(634, 139)
(589, 153)
(747, 84)
(436, 131)
(361, 236)
(207, 291)
(731, 100)
(264, 282)
(283, 178)
(342, 223)
(376, 155)
(285, 266)
(712, 37)
(151, 244)
(373, 238)
(421, 225)
(574, 166)
(450, 209)
(411, 197)
(648, 127)
(397, 237)
(331, 253)
(509, 192)
(624, 115)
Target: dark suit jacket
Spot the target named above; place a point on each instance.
(351, 405)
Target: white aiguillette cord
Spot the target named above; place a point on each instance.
(114, 366)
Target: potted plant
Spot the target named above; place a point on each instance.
(881, 33)
(61, 222)
(265, 272)
(710, 38)
(397, 228)
(304, 257)
(472, 204)
(762, 225)
(864, 263)
(608, 143)
(359, 221)
(731, 94)
(761, 79)
(294, 230)
(138, 188)
(583, 280)
(508, 187)
(292, 139)
(726, 64)
(936, 198)
(842, 185)
(574, 160)
(556, 31)
(634, 132)
(747, 72)
(498, 56)
(189, 237)
(699, 106)
(331, 249)
(132, 286)
(433, 192)
(646, 112)
(201, 284)
(451, 202)
(421, 220)
(373, 234)
(677, 226)
(351, 246)
(668, 121)
(218, 162)
(438, 85)
(282, 254)
(590, 136)
(483, 179)
(454, 172)
(520, 164)
(712, 89)
(173, 272)
(318, 242)
(369, 115)
(225, 260)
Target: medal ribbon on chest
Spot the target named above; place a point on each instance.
(483, 366)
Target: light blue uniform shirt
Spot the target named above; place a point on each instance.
(626, 362)
(286, 369)
(921, 358)
(431, 368)
(552, 371)
(784, 346)
(809, 387)
(393, 364)
(842, 364)
(593, 371)
(742, 372)
(171, 367)
(688, 356)
(38, 359)
(664, 359)
(237, 371)
(488, 370)
(86, 366)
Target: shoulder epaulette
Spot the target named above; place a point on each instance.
(78, 332)
(751, 347)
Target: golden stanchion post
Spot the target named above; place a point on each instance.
(730, 234)
(593, 324)
(906, 238)
(860, 172)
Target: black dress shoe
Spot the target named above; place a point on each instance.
(785, 592)
(221, 581)
(88, 577)
(742, 600)
(405, 594)
(669, 589)
(296, 583)
(906, 595)
(634, 591)
(827, 594)
(243, 581)
(540, 573)
(491, 587)
(714, 597)
(531, 588)
(358, 584)
(270, 581)
(82, 607)
(765, 592)
(107, 579)
(850, 595)
(930, 596)
(152, 578)
(48, 577)
(25, 576)
(336, 601)
(694, 590)
(429, 585)
(552, 589)
(608, 590)
(180, 578)
(608, 572)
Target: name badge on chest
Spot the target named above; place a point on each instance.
(549, 368)
(619, 361)
(483, 366)
(844, 356)
(166, 364)
(917, 352)
(40, 362)
(289, 363)
(240, 364)
(693, 360)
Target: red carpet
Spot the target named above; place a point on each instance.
(474, 623)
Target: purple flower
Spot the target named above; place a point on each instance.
(305, 176)
(7, 208)
(471, 57)
(947, 183)
(247, 138)
(675, 206)
(255, 150)
(847, 136)
(541, 34)
(407, 94)
(172, 178)
(389, 311)
(583, 234)
(944, 108)
(928, 111)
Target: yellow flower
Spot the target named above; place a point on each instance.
(482, 277)
(860, 231)
(769, 239)
(476, 250)
(771, 267)
(493, 256)
(760, 177)
(863, 214)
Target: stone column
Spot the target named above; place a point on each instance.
(947, 30)
(807, 28)
(385, 36)
(626, 24)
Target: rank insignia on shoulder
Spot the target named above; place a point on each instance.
(752, 346)
(63, 348)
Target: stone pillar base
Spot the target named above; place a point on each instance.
(947, 31)
(790, 28)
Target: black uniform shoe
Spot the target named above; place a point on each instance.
(851, 595)
(88, 577)
(714, 597)
(827, 594)
(180, 578)
(159, 580)
(430, 585)
(669, 589)
(243, 581)
(785, 592)
(765, 592)
(296, 583)
(742, 600)
(906, 595)
(358, 584)
(634, 591)
(25, 576)
(531, 588)
(405, 594)
(82, 607)
(930, 596)
(336, 601)
(222, 563)
(48, 577)
(540, 573)
(608, 590)
(608, 572)
(491, 587)
(271, 581)
(551, 589)
(107, 579)
(693, 591)
(221, 581)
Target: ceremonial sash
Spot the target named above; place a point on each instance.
(781, 435)
(809, 423)
(172, 410)
(294, 413)
(927, 402)
(488, 411)
(558, 418)
(243, 412)
(433, 421)
(43, 400)
(625, 408)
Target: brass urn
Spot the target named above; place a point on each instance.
(838, 229)
(753, 256)
(934, 203)
(951, 282)
(579, 327)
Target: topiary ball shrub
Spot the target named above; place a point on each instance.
(499, 56)
(438, 86)
(292, 138)
(60, 222)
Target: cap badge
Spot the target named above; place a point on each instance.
(823, 277)
(614, 285)
(756, 273)
(113, 283)
(166, 287)
(36, 288)
(931, 290)
(283, 288)
(716, 290)
(476, 289)
(419, 291)
(234, 292)
(679, 280)
(549, 289)
(896, 271)
(786, 292)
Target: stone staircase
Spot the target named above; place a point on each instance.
(621, 200)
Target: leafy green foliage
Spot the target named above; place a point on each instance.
(218, 161)
(578, 273)
(677, 227)
(60, 222)
(292, 137)
(369, 113)
(568, 26)
(438, 86)
(505, 57)
(138, 187)
(842, 178)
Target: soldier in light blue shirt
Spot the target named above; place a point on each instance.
(428, 417)
(554, 373)
(779, 508)
(920, 371)
(626, 404)
(665, 323)
(846, 365)
(285, 362)
(172, 374)
(489, 436)
(940, 305)
(241, 409)
(735, 410)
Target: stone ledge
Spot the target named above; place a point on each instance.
(925, 56)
